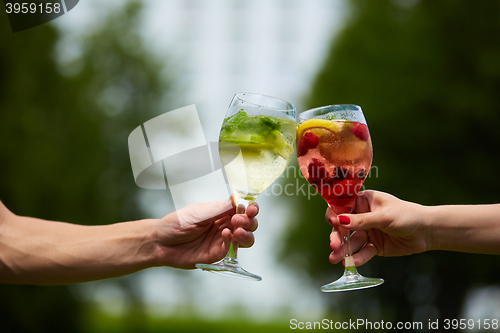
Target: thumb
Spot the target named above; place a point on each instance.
(363, 221)
(205, 211)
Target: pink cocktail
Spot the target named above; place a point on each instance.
(334, 152)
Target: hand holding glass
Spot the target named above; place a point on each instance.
(256, 143)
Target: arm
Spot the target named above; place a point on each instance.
(388, 226)
(464, 228)
(35, 251)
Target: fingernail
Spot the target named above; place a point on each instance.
(345, 220)
(256, 208)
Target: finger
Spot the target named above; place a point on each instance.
(335, 240)
(243, 221)
(227, 238)
(358, 239)
(206, 212)
(336, 257)
(252, 209)
(365, 254)
(330, 216)
(362, 257)
(244, 238)
(363, 221)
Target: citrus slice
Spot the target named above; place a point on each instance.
(313, 123)
(279, 146)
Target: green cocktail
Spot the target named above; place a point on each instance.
(262, 146)
(256, 143)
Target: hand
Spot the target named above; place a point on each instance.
(384, 225)
(202, 233)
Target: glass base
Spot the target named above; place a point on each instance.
(351, 281)
(229, 268)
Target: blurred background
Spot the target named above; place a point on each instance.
(426, 73)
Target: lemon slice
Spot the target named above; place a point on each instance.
(314, 123)
(279, 146)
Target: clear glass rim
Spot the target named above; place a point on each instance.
(241, 97)
(322, 110)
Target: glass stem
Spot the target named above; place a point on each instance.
(232, 254)
(350, 268)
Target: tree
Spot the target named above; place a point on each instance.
(425, 74)
(63, 135)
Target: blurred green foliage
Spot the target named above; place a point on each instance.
(425, 72)
(98, 322)
(427, 76)
(63, 142)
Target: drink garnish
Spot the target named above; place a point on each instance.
(308, 141)
(360, 131)
(313, 123)
(316, 170)
(255, 132)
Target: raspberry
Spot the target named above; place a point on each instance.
(308, 141)
(311, 140)
(361, 131)
(317, 171)
(334, 189)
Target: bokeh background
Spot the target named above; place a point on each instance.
(426, 73)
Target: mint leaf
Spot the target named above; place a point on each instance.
(271, 123)
(262, 131)
(229, 125)
(241, 123)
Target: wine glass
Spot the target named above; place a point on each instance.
(334, 152)
(256, 143)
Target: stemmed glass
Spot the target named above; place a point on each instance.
(256, 143)
(334, 152)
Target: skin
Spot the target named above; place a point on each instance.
(387, 226)
(41, 252)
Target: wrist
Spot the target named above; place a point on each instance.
(444, 227)
(429, 216)
(135, 245)
(153, 238)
